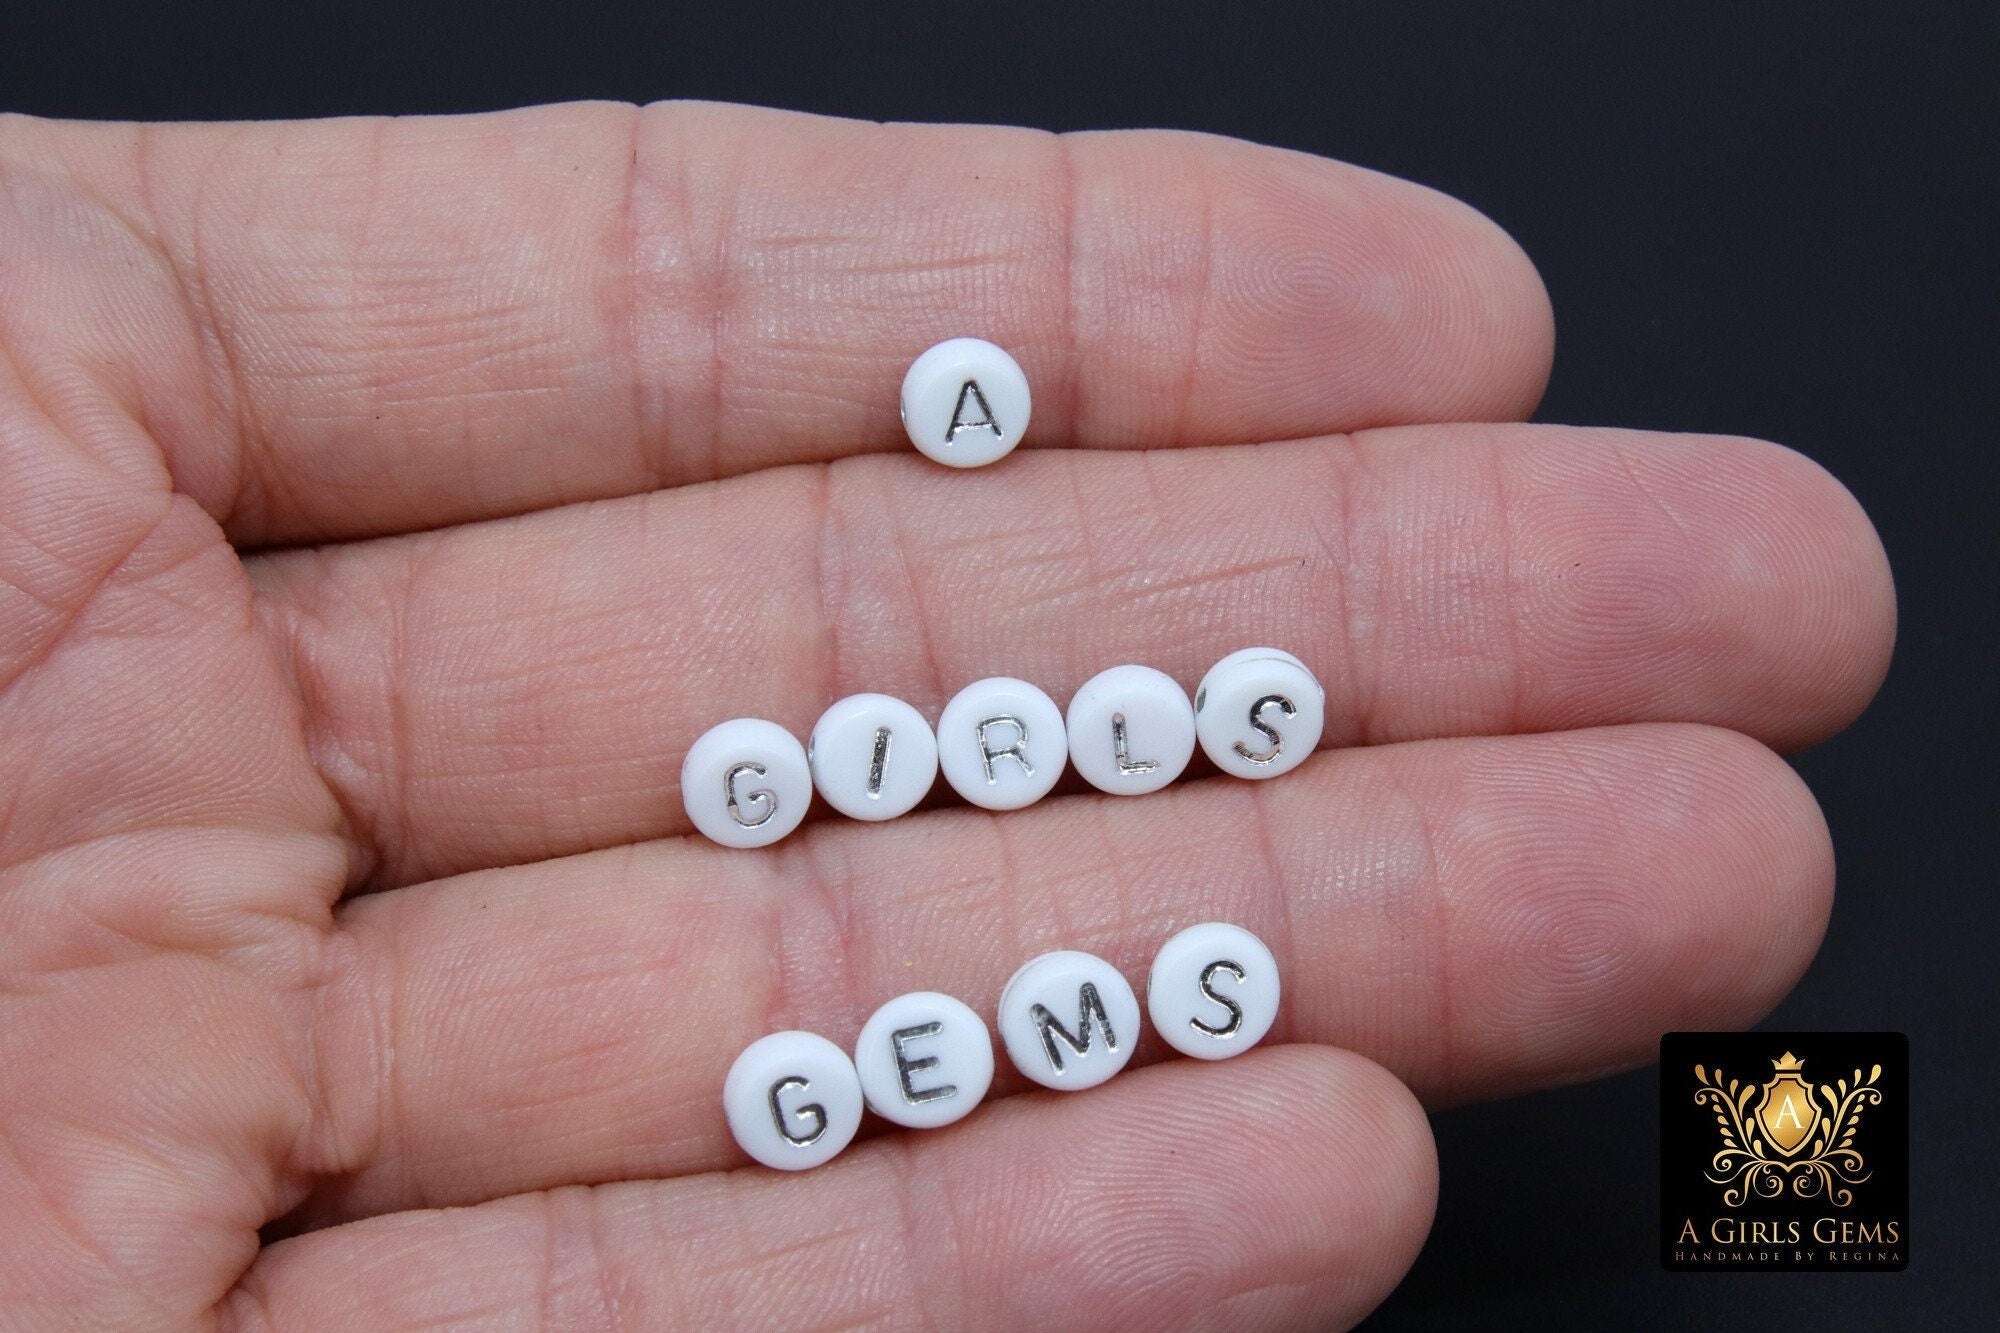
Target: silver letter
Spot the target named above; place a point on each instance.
(812, 1111)
(1119, 750)
(878, 763)
(1018, 751)
(1257, 721)
(1208, 989)
(959, 421)
(906, 1066)
(763, 795)
(1087, 1003)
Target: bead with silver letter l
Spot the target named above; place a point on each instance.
(793, 1100)
(1069, 1020)
(746, 783)
(872, 757)
(1259, 713)
(925, 1060)
(1131, 730)
(1213, 991)
(965, 403)
(1001, 743)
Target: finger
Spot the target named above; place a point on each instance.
(385, 325)
(519, 690)
(1480, 916)
(1289, 1188)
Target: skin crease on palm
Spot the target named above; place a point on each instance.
(385, 506)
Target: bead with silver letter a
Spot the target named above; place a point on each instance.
(965, 403)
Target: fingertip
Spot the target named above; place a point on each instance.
(1298, 1181)
(1843, 614)
(1250, 292)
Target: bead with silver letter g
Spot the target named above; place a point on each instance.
(792, 1100)
(746, 783)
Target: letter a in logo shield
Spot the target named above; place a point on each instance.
(1788, 1114)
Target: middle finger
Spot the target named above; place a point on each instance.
(526, 688)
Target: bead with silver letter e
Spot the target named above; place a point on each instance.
(1001, 743)
(1213, 991)
(924, 1059)
(746, 783)
(1259, 713)
(793, 1100)
(1131, 730)
(1069, 1020)
(873, 757)
(965, 403)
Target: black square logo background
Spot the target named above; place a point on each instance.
(1775, 1227)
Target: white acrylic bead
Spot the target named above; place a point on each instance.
(965, 403)
(1213, 991)
(872, 757)
(1069, 1020)
(746, 782)
(924, 1059)
(1131, 730)
(1001, 743)
(793, 1100)
(1259, 713)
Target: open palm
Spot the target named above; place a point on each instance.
(386, 505)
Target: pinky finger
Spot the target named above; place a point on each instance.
(1291, 1186)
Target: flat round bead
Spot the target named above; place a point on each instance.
(965, 403)
(746, 783)
(1213, 991)
(872, 757)
(924, 1059)
(1001, 743)
(1069, 1020)
(1131, 730)
(1259, 712)
(793, 1100)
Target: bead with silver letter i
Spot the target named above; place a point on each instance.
(965, 403)
(873, 757)
(1213, 991)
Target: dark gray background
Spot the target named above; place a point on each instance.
(1768, 219)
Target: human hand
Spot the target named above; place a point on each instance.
(386, 505)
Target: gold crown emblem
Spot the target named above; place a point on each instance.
(1788, 1063)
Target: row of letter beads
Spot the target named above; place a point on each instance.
(1002, 743)
(1068, 1020)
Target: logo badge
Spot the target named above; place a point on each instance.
(1784, 1151)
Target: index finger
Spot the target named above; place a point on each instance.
(345, 328)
